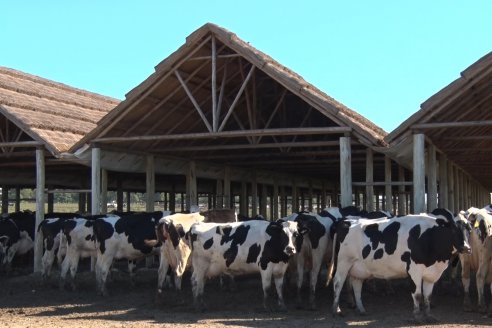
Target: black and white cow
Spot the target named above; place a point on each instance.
(240, 248)
(418, 246)
(16, 236)
(130, 237)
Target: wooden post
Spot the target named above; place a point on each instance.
(345, 172)
(82, 202)
(263, 201)
(369, 206)
(457, 188)
(219, 194)
(243, 199)
(17, 199)
(432, 179)
(227, 187)
(254, 196)
(119, 194)
(387, 188)
(443, 182)
(451, 203)
(128, 200)
(295, 197)
(418, 173)
(51, 202)
(172, 198)
(150, 183)
(191, 186)
(5, 199)
(283, 202)
(104, 191)
(40, 185)
(323, 195)
(310, 196)
(275, 199)
(96, 181)
(402, 210)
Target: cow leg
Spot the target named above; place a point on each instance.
(300, 276)
(47, 263)
(427, 293)
(198, 284)
(266, 282)
(132, 264)
(482, 272)
(465, 279)
(417, 296)
(338, 281)
(317, 259)
(357, 287)
(103, 265)
(65, 266)
(93, 263)
(74, 263)
(163, 272)
(279, 281)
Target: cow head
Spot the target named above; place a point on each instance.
(286, 232)
(461, 229)
(4, 244)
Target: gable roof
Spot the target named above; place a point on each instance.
(52, 113)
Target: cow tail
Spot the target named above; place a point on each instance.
(329, 275)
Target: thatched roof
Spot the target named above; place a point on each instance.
(49, 112)
(457, 120)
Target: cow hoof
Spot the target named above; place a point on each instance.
(430, 319)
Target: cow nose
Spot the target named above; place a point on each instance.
(290, 250)
(466, 249)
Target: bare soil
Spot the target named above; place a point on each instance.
(27, 302)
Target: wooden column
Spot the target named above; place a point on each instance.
(172, 198)
(51, 202)
(227, 187)
(40, 185)
(275, 200)
(254, 196)
(119, 195)
(128, 200)
(283, 202)
(96, 181)
(219, 194)
(243, 199)
(443, 182)
(387, 188)
(451, 203)
(150, 183)
(5, 199)
(191, 186)
(82, 202)
(369, 206)
(323, 195)
(457, 189)
(310, 196)
(401, 192)
(432, 179)
(345, 172)
(17, 199)
(295, 197)
(263, 201)
(418, 173)
(104, 191)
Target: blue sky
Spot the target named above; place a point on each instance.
(380, 58)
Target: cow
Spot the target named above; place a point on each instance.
(130, 237)
(480, 260)
(219, 215)
(240, 248)
(418, 246)
(50, 230)
(312, 249)
(16, 236)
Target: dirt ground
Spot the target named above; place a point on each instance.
(26, 302)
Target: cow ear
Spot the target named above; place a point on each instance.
(304, 230)
(442, 223)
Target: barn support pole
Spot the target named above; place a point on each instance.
(263, 201)
(450, 177)
(128, 200)
(254, 196)
(96, 181)
(418, 173)
(402, 209)
(5, 199)
(82, 202)
(432, 179)
(310, 195)
(388, 190)
(191, 187)
(443, 182)
(323, 195)
(17, 199)
(227, 187)
(150, 183)
(104, 191)
(369, 206)
(219, 194)
(243, 199)
(172, 198)
(345, 172)
(283, 202)
(295, 197)
(458, 189)
(51, 201)
(119, 194)
(275, 200)
(40, 185)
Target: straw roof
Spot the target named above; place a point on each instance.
(457, 120)
(49, 112)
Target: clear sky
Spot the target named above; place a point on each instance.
(380, 58)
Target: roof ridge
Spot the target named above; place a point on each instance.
(54, 84)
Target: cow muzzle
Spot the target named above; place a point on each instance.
(466, 249)
(289, 250)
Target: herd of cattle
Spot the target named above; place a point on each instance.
(352, 243)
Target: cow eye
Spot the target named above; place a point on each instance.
(296, 234)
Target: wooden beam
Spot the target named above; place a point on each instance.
(19, 144)
(231, 134)
(150, 183)
(387, 188)
(441, 125)
(369, 180)
(217, 57)
(40, 185)
(418, 173)
(96, 181)
(345, 172)
(382, 183)
(104, 191)
(193, 100)
(215, 116)
(432, 179)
